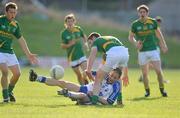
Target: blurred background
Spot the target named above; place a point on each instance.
(43, 20)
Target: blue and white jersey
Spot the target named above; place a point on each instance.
(109, 91)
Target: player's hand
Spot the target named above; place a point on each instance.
(164, 49)
(33, 58)
(86, 46)
(88, 71)
(120, 103)
(72, 42)
(89, 74)
(90, 93)
(125, 80)
(139, 45)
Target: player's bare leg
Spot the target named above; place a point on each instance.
(151, 66)
(33, 76)
(15, 77)
(81, 98)
(79, 75)
(63, 84)
(158, 70)
(97, 84)
(69, 89)
(4, 82)
(145, 69)
(83, 68)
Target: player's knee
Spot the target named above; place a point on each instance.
(159, 72)
(17, 74)
(61, 83)
(4, 74)
(145, 74)
(84, 74)
(78, 75)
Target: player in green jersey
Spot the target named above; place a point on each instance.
(9, 31)
(143, 35)
(73, 39)
(159, 21)
(116, 56)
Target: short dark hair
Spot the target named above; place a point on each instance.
(158, 19)
(118, 71)
(10, 5)
(145, 7)
(93, 34)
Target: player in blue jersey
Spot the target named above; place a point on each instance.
(109, 91)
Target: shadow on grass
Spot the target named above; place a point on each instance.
(145, 98)
(109, 106)
(150, 82)
(37, 105)
(59, 105)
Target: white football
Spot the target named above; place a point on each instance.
(57, 72)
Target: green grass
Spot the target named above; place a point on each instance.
(36, 100)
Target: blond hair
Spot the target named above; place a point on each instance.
(69, 16)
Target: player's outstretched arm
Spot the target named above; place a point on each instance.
(137, 44)
(162, 42)
(125, 76)
(32, 57)
(91, 59)
(65, 46)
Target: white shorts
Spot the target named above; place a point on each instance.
(116, 57)
(78, 62)
(159, 51)
(90, 86)
(86, 88)
(147, 56)
(9, 59)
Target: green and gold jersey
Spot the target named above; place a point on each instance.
(104, 43)
(157, 40)
(145, 32)
(74, 52)
(9, 30)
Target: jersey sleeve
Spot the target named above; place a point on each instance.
(95, 43)
(18, 33)
(116, 89)
(63, 39)
(155, 24)
(81, 31)
(133, 28)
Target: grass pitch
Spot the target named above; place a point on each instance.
(36, 100)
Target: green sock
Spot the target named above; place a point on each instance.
(94, 99)
(161, 90)
(119, 98)
(10, 88)
(5, 94)
(147, 90)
